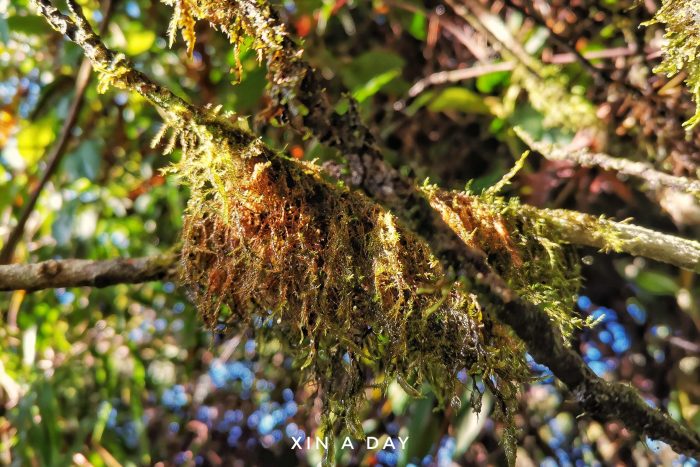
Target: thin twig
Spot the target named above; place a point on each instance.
(462, 74)
(58, 150)
(641, 170)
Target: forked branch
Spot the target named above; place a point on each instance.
(604, 401)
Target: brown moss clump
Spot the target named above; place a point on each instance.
(340, 276)
(522, 248)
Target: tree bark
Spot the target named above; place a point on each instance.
(81, 272)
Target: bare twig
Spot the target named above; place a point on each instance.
(451, 76)
(53, 274)
(58, 150)
(641, 170)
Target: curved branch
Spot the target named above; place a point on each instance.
(113, 67)
(54, 273)
(586, 158)
(602, 400)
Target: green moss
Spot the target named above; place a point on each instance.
(523, 249)
(682, 45)
(340, 275)
(239, 20)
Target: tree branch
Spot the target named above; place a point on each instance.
(584, 229)
(605, 401)
(114, 68)
(640, 170)
(53, 273)
(601, 400)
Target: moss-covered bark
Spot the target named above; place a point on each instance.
(344, 276)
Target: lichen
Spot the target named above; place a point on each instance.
(680, 49)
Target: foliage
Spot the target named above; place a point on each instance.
(281, 262)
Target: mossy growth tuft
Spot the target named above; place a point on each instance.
(248, 24)
(357, 299)
(681, 46)
(521, 247)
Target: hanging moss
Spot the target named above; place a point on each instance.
(358, 299)
(682, 45)
(241, 20)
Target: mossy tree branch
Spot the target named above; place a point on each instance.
(601, 400)
(604, 401)
(584, 229)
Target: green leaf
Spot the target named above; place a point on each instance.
(487, 83)
(374, 85)
(460, 99)
(657, 283)
(369, 65)
(33, 139)
(418, 26)
(423, 430)
(138, 42)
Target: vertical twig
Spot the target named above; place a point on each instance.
(58, 150)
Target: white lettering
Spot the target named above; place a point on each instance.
(323, 443)
(370, 440)
(347, 443)
(297, 442)
(403, 442)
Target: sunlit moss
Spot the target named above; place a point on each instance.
(358, 299)
(682, 44)
(522, 248)
(240, 20)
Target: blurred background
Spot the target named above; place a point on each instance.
(127, 375)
